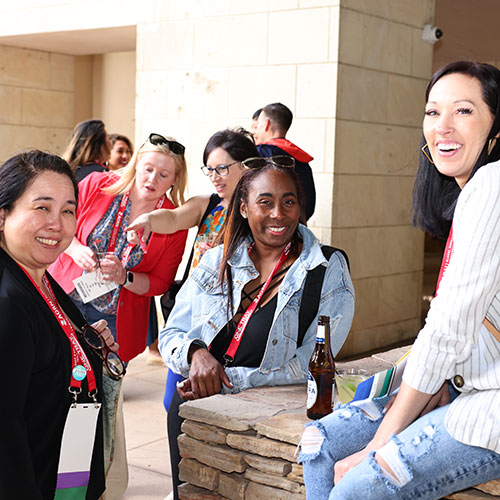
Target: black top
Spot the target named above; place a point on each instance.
(35, 370)
(83, 170)
(253, 343)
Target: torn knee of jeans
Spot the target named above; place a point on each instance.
(424, 439)
(311, 442)
(390, 464)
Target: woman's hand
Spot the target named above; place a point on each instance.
(441, 398)
(82, 255)
(112, 269)
(206, 375)
(140, 229)
(102, 327)
(342, 467)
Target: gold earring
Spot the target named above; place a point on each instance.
(491, 145)
(427, 155)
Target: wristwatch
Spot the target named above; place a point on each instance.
(129, 278)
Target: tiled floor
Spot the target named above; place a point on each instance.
(145, 429)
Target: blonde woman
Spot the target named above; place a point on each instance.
(155, 178)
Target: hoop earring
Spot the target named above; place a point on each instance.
(427, 155)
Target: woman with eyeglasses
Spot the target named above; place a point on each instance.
(49, 355)
(100, 257)
(222, 163)
(235, 323)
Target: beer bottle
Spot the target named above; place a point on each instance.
(321, 375)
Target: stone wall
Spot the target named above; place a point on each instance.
(36, 100)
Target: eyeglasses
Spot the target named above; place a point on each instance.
(112, 362)
(221, 170)
(158, 140)
(281, 161)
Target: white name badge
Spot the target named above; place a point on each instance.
(90, 286)
(78, 438)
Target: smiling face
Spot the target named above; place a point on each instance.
(224, 184)
(456, 125)
(273, 209)
(41, 224)
(119, 156)
(155, 175)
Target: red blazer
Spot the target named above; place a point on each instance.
(164, 253)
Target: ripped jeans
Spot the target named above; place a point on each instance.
(426, 461)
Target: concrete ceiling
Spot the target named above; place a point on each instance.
(79, 42)
(470, 31)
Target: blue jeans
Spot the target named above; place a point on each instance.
(426, 461)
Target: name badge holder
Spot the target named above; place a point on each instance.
(79, 430)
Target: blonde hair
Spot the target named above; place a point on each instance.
(127, 175)
(86, 144)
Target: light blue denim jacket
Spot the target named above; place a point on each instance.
(200, 312)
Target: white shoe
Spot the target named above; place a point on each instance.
(170, 496)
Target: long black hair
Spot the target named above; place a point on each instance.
(236, 227)
(434, 194)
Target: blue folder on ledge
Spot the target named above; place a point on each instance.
(383, 382)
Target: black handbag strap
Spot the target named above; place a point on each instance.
(212, 203)
(311, 294)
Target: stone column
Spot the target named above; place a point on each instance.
(384, 66)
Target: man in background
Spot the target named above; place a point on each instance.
(273, 123)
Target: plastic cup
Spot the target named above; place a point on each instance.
(347, 381)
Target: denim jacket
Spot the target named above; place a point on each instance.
(200, 312)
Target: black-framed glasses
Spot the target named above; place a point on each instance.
(158, 140)
(112, 362)
(282, 161)
(221, 170)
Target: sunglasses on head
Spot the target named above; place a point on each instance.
(281, 161)
(112, 362)
(158, 140)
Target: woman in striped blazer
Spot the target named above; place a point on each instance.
(441, 433)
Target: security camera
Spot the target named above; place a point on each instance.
(431, 34)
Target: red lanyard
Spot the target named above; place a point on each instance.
(242, 324)
(448, 252)
(77, 353)
(117, 224)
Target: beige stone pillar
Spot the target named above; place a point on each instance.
(384, 66)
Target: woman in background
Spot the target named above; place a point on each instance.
(88, 149)
(222, 163)
(121, 151)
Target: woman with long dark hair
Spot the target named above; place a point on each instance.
(441, 433)
(265, 257)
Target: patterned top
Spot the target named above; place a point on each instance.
(98, 240)
(453, 340)
(208, 231)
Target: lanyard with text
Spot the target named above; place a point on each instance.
(81, 366)
(117, 224)
(242, 324)
(448, 252)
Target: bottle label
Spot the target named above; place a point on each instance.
(312, 391)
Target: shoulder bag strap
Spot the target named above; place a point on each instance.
(311, 294)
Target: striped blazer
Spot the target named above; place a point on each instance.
(454, 341)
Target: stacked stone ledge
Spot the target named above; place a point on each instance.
(243, 446)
